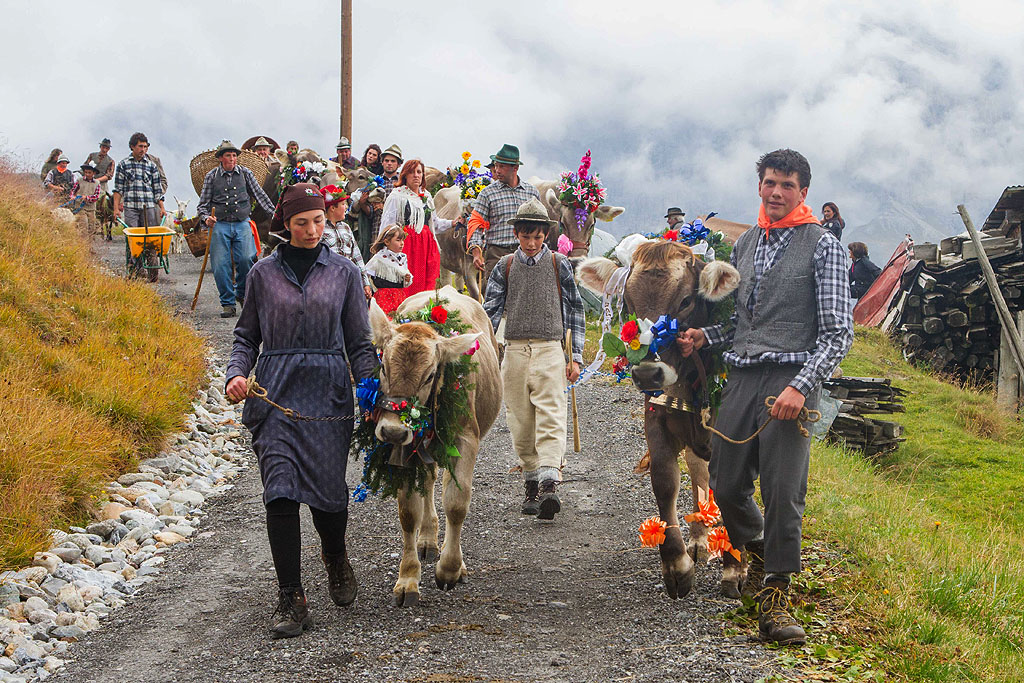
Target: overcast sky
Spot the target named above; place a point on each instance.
(917, 101)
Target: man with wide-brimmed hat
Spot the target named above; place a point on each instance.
(490, 225)
(674, 215)
(536, 291)
(230, 189)
(60, 180)
(103, 162)
(87, 192)
(390, 160)
(345, 158)
(262, 149)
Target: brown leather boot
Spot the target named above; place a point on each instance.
(291, 617)
(773, 618)
(341, 580)
(549, 501)
(531, 504)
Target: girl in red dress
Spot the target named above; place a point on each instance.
(388, 268)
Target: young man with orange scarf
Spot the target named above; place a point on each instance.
(792, 326)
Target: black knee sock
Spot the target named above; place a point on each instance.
(331, 527)
(285, 542)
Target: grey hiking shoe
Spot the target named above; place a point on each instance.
(774, 620)
(341, 580)
(549, 502)
(531, 504)
(228, 312)
(291, 617)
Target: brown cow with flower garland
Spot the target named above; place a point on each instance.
(668, 289)
(439, 394)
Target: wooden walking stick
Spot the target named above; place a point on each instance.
(195, 298)
(572, 394)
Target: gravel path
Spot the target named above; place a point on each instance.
(573, 600)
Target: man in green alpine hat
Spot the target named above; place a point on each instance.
(490, 225)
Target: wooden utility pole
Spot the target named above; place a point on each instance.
(346, 69)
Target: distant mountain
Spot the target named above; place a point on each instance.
(895, 219)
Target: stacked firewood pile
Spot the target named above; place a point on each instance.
(945, 314)
(860, 397)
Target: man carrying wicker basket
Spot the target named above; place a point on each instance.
(230, 189)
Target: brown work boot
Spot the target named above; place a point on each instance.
(531, 504)
(774, 620)
(291, 617)
(549, 502)
(755, 564)
(341, 580)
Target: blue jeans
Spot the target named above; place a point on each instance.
(231, 240)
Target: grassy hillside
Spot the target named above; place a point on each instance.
(932, 583)
(94, 371)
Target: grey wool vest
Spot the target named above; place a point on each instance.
(785, 315)
(533, 307)
(230, 195)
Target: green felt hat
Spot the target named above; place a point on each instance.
(508, 154)
(226, 146)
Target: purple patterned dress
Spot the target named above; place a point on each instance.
(306, 332)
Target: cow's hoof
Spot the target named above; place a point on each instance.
(445, 584)
(697, 551)
(405, 598)
(429, 553)
(679, 584)
(732, 588)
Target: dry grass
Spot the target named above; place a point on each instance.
(94, 371)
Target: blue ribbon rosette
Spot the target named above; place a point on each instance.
(368, 393)
(663, 333)
(692, 233)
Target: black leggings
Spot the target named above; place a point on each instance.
(286, 541)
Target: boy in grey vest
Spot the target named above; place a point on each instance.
(792, 327)
(536, 290)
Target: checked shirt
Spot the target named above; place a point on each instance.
(835, 317)
(497, 205)
(138, 183)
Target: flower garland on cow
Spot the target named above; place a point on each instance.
(303, 172)
(652, 530)
(581, 191)
(704, 242)
(470, 181)
(436, 426)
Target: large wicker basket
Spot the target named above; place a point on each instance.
(197, 236)
(206, 162)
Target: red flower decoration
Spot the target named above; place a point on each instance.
(671, 235)
(439, 314)
(630, 331)
(620, 364)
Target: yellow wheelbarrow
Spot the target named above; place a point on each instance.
(146, 250)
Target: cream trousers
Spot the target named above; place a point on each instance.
(533, 373)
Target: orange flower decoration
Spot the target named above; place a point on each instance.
(708, 512)
(652, 532)
(718, 543)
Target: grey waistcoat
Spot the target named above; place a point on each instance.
(230, 196)
(533, 308)
(785, 315)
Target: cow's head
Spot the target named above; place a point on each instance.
(665, 279)
(566, 217)
(357, 179)
(414, 356)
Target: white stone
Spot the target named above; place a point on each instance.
(70, 596)
(41, 615)
(188, 497)
(35, 604)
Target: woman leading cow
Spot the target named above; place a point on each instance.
(304, 313)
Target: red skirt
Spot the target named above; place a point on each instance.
(424, 264)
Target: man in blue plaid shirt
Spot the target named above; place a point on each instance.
(792, 326)
(138, 194)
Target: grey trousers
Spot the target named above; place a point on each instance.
(133, 217)
(780, 455)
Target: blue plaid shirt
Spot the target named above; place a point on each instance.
(835, 316)
(138, 183)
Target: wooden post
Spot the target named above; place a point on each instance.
(1006, 320)
(346, 69)
(1008, 385)
(572, 395)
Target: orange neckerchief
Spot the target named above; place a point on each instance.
(801, 215)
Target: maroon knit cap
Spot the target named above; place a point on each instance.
(294, 200)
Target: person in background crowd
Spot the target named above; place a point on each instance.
(490, 225)
(390, 159)
(791, 327)
(371, 160)
(104, 164)
(388, 267)
(305, 366)
(365, 213)
(60, 180)
(292, 148)
(87, 190)
(338, 235)
(138, 192)
(674, 215)
(833, 222)
(345, 158)
(50, 163)
(410, 206)
(231, 188)
(160, 170)
(262, 149)
(863, 272)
